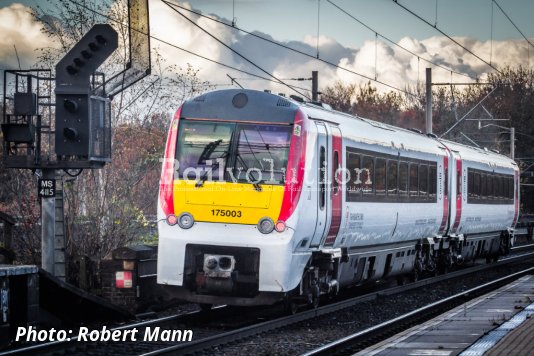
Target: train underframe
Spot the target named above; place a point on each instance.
(230, 275)
(331, 269)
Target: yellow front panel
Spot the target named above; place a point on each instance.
(237, 203)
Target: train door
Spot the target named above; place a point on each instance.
(457, 190)
(335, 186)
(323, 199)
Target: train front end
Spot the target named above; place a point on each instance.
(230, 186)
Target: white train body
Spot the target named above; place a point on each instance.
(409, 203)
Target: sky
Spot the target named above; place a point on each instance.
(320, 27)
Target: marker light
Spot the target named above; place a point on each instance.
(172, 219)
(186, 220)
(280, 226)
(266, 225)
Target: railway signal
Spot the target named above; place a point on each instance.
(74, 104)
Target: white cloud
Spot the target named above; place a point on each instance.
(19, 28)
(394, 65)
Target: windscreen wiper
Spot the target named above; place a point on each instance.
(208, 150)
(256, 186)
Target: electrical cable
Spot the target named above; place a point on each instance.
(233, 50)
(396, 44)
(448, 36)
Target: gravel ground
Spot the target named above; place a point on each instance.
(311, 334)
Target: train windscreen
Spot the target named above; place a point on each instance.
(233, 152)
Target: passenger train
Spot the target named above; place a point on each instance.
(265, 198)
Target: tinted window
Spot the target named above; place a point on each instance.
(423, 180)
(380, 176)
(322, 177)
(392, 178)
(403, 178)
(367, 174)
(335, 177)
(414, 181)
(433, 179)
(354, 184)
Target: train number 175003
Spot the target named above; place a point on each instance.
(229, 213)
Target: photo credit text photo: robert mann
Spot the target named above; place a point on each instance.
(31, 334)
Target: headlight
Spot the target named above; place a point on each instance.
(266, 225)
(186, 220)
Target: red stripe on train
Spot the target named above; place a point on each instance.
(166, 183)
(458, 194)
(445, 193)
(295, 167)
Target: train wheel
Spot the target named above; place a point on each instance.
(316, 296)
(291, 307)
(401, 281)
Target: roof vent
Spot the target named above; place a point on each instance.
(300, 99)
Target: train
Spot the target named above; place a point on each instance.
(266, 198)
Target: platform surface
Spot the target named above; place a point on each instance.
(458, 331)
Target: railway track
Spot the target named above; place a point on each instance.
(359, 341)
(209, 332)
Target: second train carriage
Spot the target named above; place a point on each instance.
(263, 197)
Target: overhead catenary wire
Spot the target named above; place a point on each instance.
(448, 36)
(298, 51)
(257, 76)
(512, 22)
(396, 44)
(233, 50)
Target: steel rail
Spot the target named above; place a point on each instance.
(242, 333)
(358, 341)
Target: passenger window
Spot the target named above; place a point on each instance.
(477, 189)
(380, 176)
(335, 183)
(414, 182)
(392, 184)
(322, 177)
(470, 183)
(432, 181)
(458, 182)
(403, 178)
(354, 185)
(367, 174)
(423, 180)
(490, 185)
(483, 186)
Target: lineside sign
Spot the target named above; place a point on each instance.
(46, 188)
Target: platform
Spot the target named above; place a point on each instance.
(481, 326)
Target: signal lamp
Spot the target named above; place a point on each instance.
(186, 220)
(70, 133)
(71, 70)
(70, 105)
(280, 226)
(266, 225)
(101, 39)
